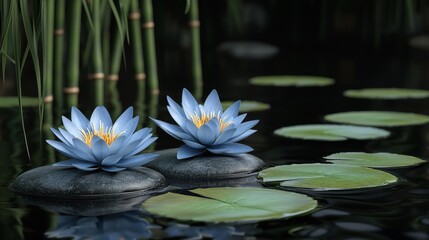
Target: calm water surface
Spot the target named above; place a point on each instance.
(397, 212)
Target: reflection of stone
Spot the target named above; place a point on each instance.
(249, 50)
(125, 225)
(71, 183)
(206, 167)
(85, 207)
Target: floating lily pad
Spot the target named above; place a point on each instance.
(7, 102)
(331, 132)
(292, 81)
(324, 177)
(378, 118)
(248, 106)
(230, 204)
(375, 160)
(386, 93)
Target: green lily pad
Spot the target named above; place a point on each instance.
(375, 160)
(248, 106)
(325, 177)
(378, 118)
(292, 81)
(386, 93)
(230, 204)
(331, 132)
(8, 102)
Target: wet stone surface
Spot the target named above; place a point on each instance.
(59, 182)
(205, 166)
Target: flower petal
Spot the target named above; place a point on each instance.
(243, 135)
(232, 111)
(236, 121)
(205, 135)
(99, 148)
(71, 128)
(189, 104)
(84, 167)
(212, 103)
(67, 135)
(176, 106)
(128, 129)
(67, 163)
(224, 136)
(178, 118)
(62, 147)
(230, 148)
(141, 134)
(111, 168)
(142, 146)
(172, 130)
(137, 160)
(244, 127)
(78, 119)
(193, 144)
(111, 160)
(83, 151)
(128, 148)
(100, 116)
(187, 152)
(125, 117)
(117, 144)
(191, 129)
(61, 137)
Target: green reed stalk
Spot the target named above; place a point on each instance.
(97, 77)
(137, 52)
(197, 73)
(149, 46)
(48, 17)
(73, 50)
(115, 64)
(58, 57)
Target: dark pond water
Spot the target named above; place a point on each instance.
(397, 212)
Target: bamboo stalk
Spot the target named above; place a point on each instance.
(138, 61)
(97, 77)
(197, 73)
(73, 50)
(58, 51)
(149, 46)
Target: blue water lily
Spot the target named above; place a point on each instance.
(207, 127)
(99, 143)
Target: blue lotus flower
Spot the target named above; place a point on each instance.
(207, 127)
(97, 143)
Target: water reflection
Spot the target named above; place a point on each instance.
(124, 225)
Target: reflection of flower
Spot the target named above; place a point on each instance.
(97, 143)
(126, 225)
(207, 127)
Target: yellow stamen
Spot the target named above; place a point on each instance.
(205, 117)
(108, 135)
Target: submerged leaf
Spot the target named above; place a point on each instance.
(248, 106)
(331, 132)
(230, 204)
(375, 160)
(324, 177)
(378, 118)
(292, 81)
(386, 93)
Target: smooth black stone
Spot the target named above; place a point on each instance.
(72, 183)
(205, 166)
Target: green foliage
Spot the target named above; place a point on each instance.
(327, 177)
(374, 160)
(230, 204)
(378, 118)
(331, 132)
(386, 93)
(292, 81)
